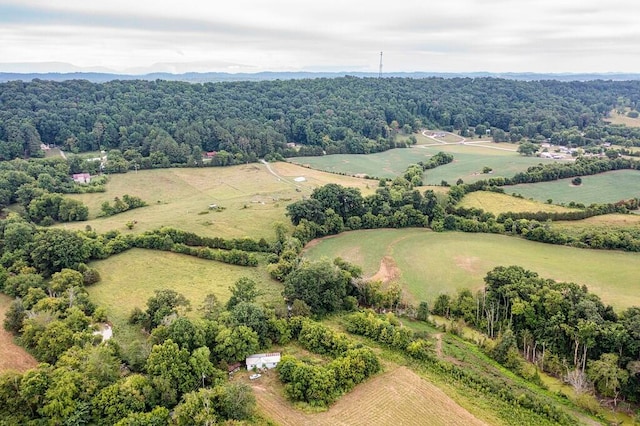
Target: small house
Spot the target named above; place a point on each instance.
(263, 361)
(81, 178)
(210, 154)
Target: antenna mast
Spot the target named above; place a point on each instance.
(380, 69)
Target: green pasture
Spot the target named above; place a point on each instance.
(387, 164)
(130, 278)
(469, 160)
(601, 188)
(496, 203)
(432, 263)
(252, 198)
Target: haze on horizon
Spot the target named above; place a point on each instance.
(547, 36)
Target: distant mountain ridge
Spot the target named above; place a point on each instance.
(196, 77)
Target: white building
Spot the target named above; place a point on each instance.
(262, 361)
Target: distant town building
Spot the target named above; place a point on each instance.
(263, 361)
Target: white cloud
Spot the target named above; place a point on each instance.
(245, 35)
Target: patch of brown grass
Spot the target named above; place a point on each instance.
(12, 356)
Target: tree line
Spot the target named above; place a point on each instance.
(561, 327)
(145, 124)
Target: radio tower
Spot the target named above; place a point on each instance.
(380, 69)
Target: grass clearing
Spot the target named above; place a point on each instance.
(431, 263)
(253, 197)
(469, 160)
(398, 396)
(12, 356)
(130, 278)
(388, 164)
(496, 203)
(606, 187)
(616, 118)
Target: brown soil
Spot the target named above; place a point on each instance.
(388, 271)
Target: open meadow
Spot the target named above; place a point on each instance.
(130, 278)
(606, 187)
(12, 356)
(427, 263)
(469, 160)
(496, 203)
(252, 196)
(615, 118)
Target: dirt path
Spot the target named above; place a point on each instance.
(388, 271)
(438, 337)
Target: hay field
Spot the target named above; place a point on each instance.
(253, 197)
(431, 263)
(12, 356)
(397, 397)
(497, 203)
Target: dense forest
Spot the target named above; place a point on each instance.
(160, 123)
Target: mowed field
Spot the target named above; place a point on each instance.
(469, 160)
(130, 278)
(253, 197)
(496, 203)
(396, 397)
(12, 356)
(601, 188)
(430, 263)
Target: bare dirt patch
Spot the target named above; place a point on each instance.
(397, 397)
(388, 271)
(12, 356)
(468, 263)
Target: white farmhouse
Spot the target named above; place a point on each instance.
(262, 361)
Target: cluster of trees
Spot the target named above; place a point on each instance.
(159, 123)
(415, 172)
(82, 380)
(128, 202)
(333, 208)
(320, 385)
(388, 331)
(50, 250)
(48, 208)
(559, 326)
(37, 185)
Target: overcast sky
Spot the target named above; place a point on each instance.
(136, 36)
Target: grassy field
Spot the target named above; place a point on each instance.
(602, 188)
(497, 203)
(12, 356)
(430, 263)
(469, 160)
(130, 278)
(388, 164)
(616, 118)
(396, 397)
(253, 197)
